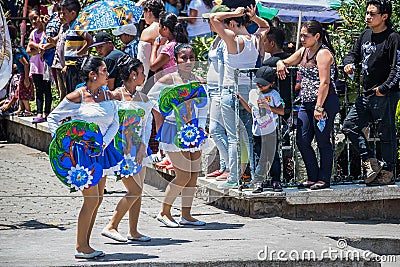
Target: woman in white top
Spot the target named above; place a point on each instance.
(134, 134)
(196, 25)
(242, 51)
(91, 103)
(152, 10)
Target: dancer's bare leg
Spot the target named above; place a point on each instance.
(100, 192)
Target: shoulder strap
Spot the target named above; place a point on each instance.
(105, 94)
(237, 43)
(122, 95)
(81, 91)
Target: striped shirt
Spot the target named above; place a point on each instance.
(73, 43)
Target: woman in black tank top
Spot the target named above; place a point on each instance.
(320, 102)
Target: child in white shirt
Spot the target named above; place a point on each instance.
(265, 104)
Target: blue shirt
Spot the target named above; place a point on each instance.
(132, 48)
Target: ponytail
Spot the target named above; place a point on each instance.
(179, 33)
(170, 21)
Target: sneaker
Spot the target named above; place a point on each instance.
(223, 176)
(164, 163)
(38, 120)
(372, 167)
(383, 178)
(257, 188)
(277, 186)
(215, 174)
(228, 185)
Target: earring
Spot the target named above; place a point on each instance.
(134, 78)
(94, 78)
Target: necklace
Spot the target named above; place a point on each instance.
(93, 95)
(184, 79)
(308, 59)
(132, 95)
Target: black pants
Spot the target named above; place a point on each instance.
(43, 94)
(71, 78)
(380, 110)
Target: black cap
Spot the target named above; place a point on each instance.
(101, 38)
(265, 75)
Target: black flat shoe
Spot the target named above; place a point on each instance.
(318, 186)
(305, 185)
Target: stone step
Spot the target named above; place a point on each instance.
(340, 202)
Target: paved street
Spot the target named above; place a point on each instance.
(38, 228)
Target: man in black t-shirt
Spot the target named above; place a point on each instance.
(274, 45)
(104, 45)
(378, 51)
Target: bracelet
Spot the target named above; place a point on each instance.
(319, 109)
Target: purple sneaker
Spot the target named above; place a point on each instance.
(38, 120)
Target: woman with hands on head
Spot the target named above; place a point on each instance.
(242, 51)
(320, 103)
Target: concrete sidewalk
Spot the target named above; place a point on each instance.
(38, 228)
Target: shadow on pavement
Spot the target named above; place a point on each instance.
(33, 225)
(218, 226)
(154, 242)
(122, 257)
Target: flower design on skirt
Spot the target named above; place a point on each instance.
(189, 135)
(79, 177)
(128, 166)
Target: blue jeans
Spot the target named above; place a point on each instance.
(216, 126)
(307, 129)
(245, 133)
(379, 109)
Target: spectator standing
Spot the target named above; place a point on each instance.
(265, 104)
(104, 45)
(128, 35)
(320, 103)
(76, 44)
(214, 85)
(196, 25)
(242, 52)
(39, 72)
(378, 51)
(171, 32)
(25, 91)
(274, 46)
(171, 6)
(152, 10)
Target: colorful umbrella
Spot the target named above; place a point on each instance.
(107, 14)
(71, 154)
(289, 10)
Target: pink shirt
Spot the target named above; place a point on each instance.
(168, 49)
(37, 65)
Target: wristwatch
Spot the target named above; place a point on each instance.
(319, 109)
